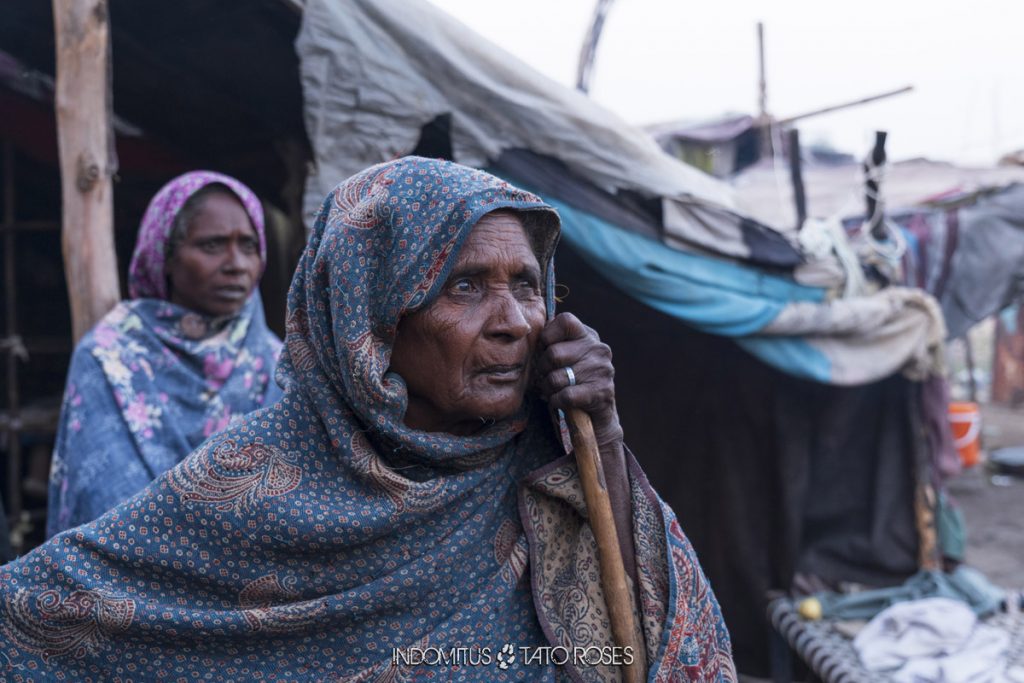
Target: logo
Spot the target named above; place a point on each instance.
(509, 655)
(506, 656)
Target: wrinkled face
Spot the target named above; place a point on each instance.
(469, 354)
(216, 266)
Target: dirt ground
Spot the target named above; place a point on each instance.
(993, 506)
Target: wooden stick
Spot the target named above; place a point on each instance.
(929, 555)
(845, 105)
(621, 611)
(796, 175)
(87, 159)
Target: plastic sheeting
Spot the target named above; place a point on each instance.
(987, 272)
(375, 72)
(787, 325)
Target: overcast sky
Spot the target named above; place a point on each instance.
(665, 60)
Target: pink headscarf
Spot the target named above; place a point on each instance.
(146, 277)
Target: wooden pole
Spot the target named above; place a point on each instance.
(14, 498)
(762, 83)
(621, 611)
(796, 175)
(588, 51)
(763, 118)
(845, 105)
(87, 159)
(972, 383)
(929, 554)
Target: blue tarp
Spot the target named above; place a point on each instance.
(709, 294)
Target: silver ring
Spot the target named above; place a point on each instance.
(571, 375)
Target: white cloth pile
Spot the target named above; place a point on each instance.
(935, 640)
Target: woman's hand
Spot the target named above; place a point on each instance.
(565, 342)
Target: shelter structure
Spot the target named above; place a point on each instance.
(784, 425)
(721, 147)
(959, 236)
(226, 98)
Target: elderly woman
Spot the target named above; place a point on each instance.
(407, 508)
(187, 354)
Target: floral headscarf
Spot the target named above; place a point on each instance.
(321, 539)
(146, 276)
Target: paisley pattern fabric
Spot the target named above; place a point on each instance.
(152, 380)
(321, 539)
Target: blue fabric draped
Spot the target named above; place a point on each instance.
(141, 395)
(314, 537)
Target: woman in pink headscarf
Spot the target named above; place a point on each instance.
(185, 356)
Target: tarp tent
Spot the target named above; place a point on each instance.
(377, 75)
(780, 424)
(775, 420)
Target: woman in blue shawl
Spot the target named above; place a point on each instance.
(187, 354)
(333, 536)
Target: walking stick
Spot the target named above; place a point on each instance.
(623, 617)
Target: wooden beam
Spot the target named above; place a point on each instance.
(845, 105)
(588, 51)
(762, 83)
(972, 383)
(764, 119)
(10, 344)
(796, 175)
(87, 158)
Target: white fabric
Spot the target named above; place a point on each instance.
(820, 241)
(898, 329)
(933, 640)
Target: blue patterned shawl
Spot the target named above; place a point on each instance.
(152, 380)
(309, 541)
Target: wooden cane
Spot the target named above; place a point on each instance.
(621, 612)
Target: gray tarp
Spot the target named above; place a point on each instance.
(987, 272)
(374, 72)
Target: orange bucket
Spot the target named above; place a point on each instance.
(965, 419)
